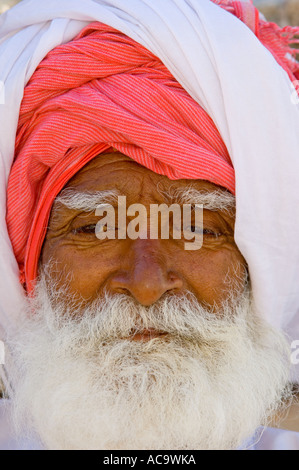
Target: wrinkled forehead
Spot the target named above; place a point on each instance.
(119, 173)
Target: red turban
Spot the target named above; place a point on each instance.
(104, 90)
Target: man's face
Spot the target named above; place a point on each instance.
(203, 371)
(144, 268)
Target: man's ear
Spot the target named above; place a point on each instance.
(287, 417)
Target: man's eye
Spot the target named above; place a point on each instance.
(85, 229)
(206, 232)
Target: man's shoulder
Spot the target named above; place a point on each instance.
(9, 440)
(277, 439)
(6, 427)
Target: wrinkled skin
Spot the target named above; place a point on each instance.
(143, 268)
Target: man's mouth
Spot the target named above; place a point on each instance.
(146, 335)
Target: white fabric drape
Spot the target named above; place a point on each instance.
(224, 67)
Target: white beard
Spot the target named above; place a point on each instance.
(208, 384)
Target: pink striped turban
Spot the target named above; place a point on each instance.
(104, 90)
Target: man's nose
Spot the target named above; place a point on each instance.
(148, 276)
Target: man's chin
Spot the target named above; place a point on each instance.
(161, 392)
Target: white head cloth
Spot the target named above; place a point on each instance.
(224, 67)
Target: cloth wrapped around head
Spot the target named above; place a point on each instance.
(105, 90)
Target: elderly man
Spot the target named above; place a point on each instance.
(119, 336)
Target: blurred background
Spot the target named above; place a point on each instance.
(282, 12)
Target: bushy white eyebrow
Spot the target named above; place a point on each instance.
(86, 201)
(217, 200)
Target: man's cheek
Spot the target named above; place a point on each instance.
(82, 273)
(217, 270)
